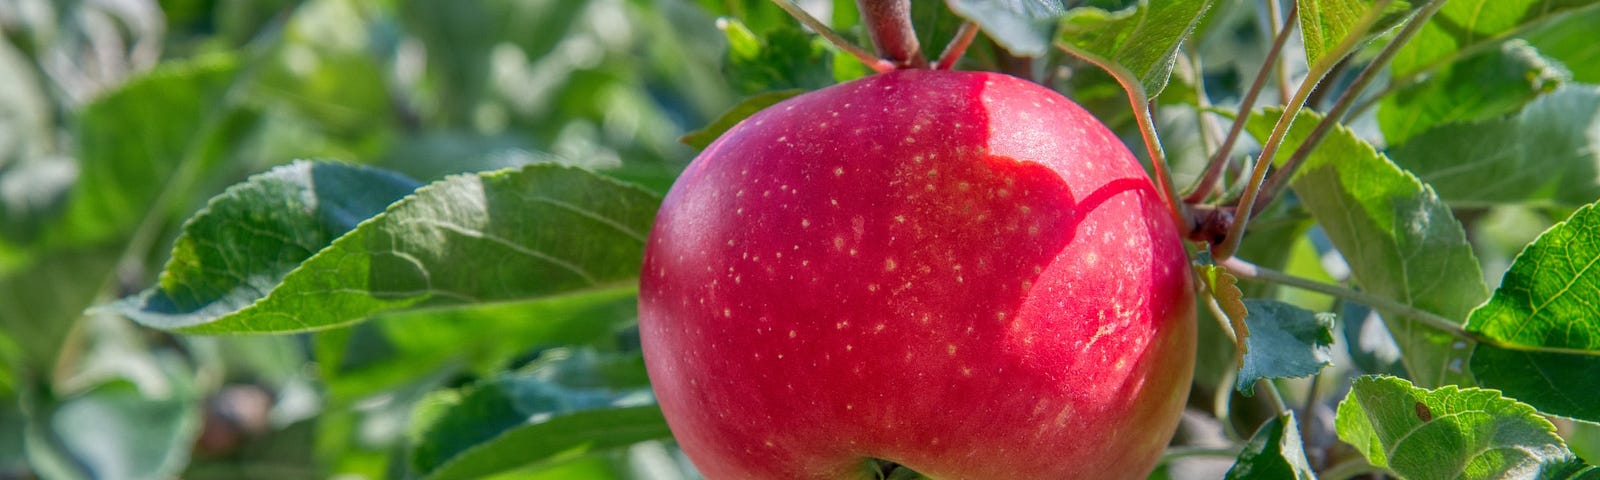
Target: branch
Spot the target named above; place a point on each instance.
(872, 61)
(1208, 180)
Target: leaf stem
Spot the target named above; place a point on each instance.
(1141, 104)
(1280, 178)
(957, 46)
(1269, 149)
(1244, 269)
(1280, 26)
(1214, 168)
(889, 24)
(872, 61)
(1274, 396)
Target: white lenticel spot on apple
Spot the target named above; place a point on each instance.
(888, 264)
(805, 223)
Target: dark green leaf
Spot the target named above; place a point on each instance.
(1285, 341)
(40, 304)
(1275, 452)
(1023, 27)
(500, 236)
(1557, 383)
(236, 250)
(699, 139)
(1137, 44)
(1548, 151)
(1481, 87)
(567, 404)
(1401, 241)
(1325, 24)
(1465, 25)
(151, 137)
(1450, 432)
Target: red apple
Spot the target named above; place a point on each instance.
(962, 273)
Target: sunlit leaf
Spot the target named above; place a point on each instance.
(500, 236)
(1481, 87)
(1570, 39)
(1547, 301)
(1451, 432)
(1138, 44)
(1464, 25)
(1325, 24)
(1401, 241)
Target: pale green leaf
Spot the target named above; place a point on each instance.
(508, 235)
(1450, 432)
(1401, 241)
(1465, 25)
(568, 403)
(1285, 341)
(1138, 43)
(1275, 452)
(1325, 24)
(1549, 151)
(1481, 87)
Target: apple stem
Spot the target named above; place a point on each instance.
(1269, 148)
(872, 61)
(1208, 180)
(1280, 178)
(889, 24)
(957, 46)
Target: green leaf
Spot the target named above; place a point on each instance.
(703, 137)
(1137, 44)
(1274, 452)
(481, 338)
(783, 59)
(1548, 151)
(1450, 432)
(1401, 241)
(324, 69)
(152, 137)
(1023, 27)
(1546, 302)
(569, 403)
(1570, 39)
(1481, 87)
(1285, 341)
(40, 304)
(508, 235)
(1556, 382)
(1463, 26)
(1325, 24)
(1548, 297)
(246, 240)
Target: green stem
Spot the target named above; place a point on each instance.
(1273, 395)
(1139, 100)
(1279, 27)
(1269, 149)
(872, 61)
(1349, 468)
(1280, 178)
(1214, 168)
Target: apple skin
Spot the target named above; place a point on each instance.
(960, 272)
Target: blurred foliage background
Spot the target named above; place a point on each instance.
(119, 118)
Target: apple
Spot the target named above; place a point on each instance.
(963, 274)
